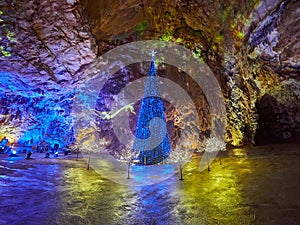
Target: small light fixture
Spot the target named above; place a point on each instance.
(13, 153)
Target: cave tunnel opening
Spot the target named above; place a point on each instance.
(275, 125)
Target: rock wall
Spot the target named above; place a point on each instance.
(243, 44)
(33, 121)
(252, 47)
(44, 46)
(48, 42)
(253, 68)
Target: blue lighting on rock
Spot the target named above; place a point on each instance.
(32, 117)
(151, 125)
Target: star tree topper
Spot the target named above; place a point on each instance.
(153, 52)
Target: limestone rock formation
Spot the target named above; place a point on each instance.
(252, 47)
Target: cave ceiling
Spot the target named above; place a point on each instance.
(46, 44)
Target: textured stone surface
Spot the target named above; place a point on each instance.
(252, 48)
(52, 42)
(277, 39)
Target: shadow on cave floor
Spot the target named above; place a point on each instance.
(255, 185)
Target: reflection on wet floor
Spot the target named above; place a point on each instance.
(214, 197)
(239, 152)
(249, 187)
(202, 198)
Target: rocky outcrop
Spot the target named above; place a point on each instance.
(47, 43)
(276, 37)
(43, 47)
(254, 68)
(36, 119)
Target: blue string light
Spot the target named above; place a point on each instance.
(151, 107)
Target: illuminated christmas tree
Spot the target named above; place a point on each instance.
(152, 139)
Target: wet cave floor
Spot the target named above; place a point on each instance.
(255, 185)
